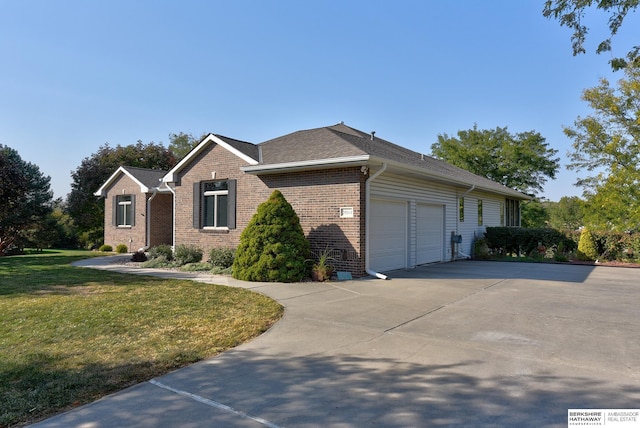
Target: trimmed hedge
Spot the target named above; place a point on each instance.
(520, 240)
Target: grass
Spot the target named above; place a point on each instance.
(71, 335)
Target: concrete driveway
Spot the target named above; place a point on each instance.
(458, 344)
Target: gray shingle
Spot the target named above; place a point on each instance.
(340, 141)
(149, 177)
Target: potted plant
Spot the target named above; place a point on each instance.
(322, 268)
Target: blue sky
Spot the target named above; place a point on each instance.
(78, 74)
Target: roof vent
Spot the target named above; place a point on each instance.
(373, 135)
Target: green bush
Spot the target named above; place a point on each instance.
(187, 254)
(520, 240)
(105, 248)
(222, 257)
(157, 262)
(122, 248)
(273, 246)
(587, 249)
(481, 249)
(161, 251)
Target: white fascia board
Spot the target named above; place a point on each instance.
(172, 176)
(308, 164)
(102, 190)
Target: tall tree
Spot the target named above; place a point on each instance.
(522, 161)
(567, 213)
(181, 144)
(25, 198)
(87, 210)
(607, 145)
(571, 13)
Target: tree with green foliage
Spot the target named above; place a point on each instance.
(25, 199)
(180, 144)
(533, 214)
(566, 214)
(607, 145)
(273, 246)
(522, 161)
(86, 209)
(571, 13)
(587, 249)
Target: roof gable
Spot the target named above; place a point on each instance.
(147, 179)
(246, 151)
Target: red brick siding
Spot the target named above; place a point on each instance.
(315, 195)
(161, 219)
(133, 237)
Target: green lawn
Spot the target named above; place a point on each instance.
(71, 335)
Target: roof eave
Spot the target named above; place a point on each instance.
(102, 191)
(447, 179)
(307, 165)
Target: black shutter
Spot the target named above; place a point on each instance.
(133, 210)
(114, 211)
(231, 204)
(196, 205)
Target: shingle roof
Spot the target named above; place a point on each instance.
(248, 149)
(149, 177)
(341, 141)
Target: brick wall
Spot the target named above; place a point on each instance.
(133, 237)
(161, 215)
(316, 196)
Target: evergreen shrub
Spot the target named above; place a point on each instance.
(105, 248)
(273, 247)
(122, 248)
(587, 249)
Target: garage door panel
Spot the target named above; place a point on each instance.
(388, 223)
(429, 233)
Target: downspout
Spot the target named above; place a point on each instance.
(173, 215)
(148, 228)
(458, 252)
(368, 222)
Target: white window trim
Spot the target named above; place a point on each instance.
(215, 193)
(126, 206)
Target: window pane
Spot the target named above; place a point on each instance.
(213, 186)
(123, 210)
(221, 215)
(209, 210)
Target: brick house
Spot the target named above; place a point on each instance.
(377, 205)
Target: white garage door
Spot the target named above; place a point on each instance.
(429, 233)
(388, 234)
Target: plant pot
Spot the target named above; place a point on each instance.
(320, 275)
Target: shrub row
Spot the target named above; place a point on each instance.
(189, 258)
(520, 240)
(621, 246)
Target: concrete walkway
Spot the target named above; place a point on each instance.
(455, 344)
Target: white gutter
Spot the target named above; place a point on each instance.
(173, 226)
(368, 222)
(148, 228)
(307, 164)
